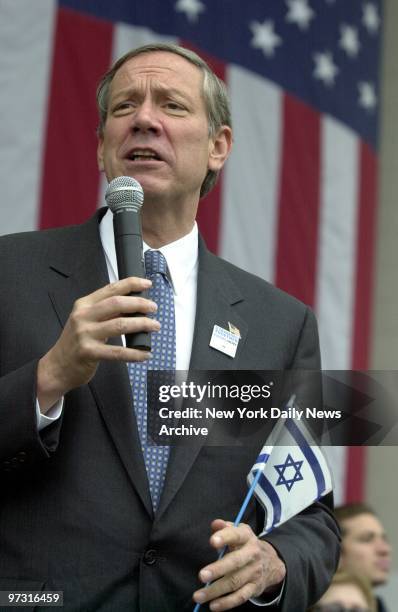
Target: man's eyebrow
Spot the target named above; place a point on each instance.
(369, 532)
(158, 88)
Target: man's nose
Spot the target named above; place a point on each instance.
(145, 118)
(383, 547)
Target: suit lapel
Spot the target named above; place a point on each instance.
(217, 297)
(81, 271)
(216, 305)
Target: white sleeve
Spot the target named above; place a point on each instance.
(43, 420)
(257, 601)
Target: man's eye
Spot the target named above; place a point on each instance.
(367, 538)
(123, 106)
(174, 106)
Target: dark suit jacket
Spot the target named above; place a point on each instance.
(75, 513)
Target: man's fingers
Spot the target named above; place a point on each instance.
(233, 600)
(231, 562)
(124, 325)
(231, 536)
(247, 571)
(218, 524)
(74, 358)
(99, 351)
(120, 304)
(122, 287)
(241, 574)
(91, 344)
(239, 586)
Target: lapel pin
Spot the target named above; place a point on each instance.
(234, 330)
(224, 340)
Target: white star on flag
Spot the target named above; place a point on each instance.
(299, 13)
(265, 37)
(371, 18)
(367, 95)
(349, 41)
(191, 8)
(325, 69)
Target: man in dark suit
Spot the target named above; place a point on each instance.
(77, 513)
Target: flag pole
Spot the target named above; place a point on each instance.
(242, 510)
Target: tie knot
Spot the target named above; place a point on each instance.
(155, 263)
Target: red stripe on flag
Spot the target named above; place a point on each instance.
(70, 180)
(209, 212)
(365, 262)
(355, 474)
(209, 217)
(365, 258)
(299, 196)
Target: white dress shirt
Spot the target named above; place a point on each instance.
(182, 263)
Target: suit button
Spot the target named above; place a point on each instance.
(150, 557)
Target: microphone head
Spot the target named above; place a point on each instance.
(124, 193)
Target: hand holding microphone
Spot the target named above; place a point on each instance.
(116, 309)
(125, 197)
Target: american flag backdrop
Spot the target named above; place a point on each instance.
(296, 202)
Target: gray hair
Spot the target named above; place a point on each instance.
(214, 94)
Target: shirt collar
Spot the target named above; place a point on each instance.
(181, 255)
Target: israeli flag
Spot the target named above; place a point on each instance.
(293, 473)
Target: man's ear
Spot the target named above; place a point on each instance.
(100, 153)
(220, 148)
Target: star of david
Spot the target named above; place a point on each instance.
(289, 465)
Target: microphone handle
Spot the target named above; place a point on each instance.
(130, 262)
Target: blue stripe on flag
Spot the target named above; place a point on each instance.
(269, 490)
(308, 454)
(263, 458)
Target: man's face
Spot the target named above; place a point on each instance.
(157, 129)
(365, 550)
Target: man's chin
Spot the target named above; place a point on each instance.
(380, 579)
(152, 187)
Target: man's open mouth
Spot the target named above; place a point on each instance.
(143, 155)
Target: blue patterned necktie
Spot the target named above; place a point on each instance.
(164, 359)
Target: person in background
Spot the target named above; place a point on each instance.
(347, 593)
(365, 548)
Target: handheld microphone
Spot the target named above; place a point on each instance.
(125, 197)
